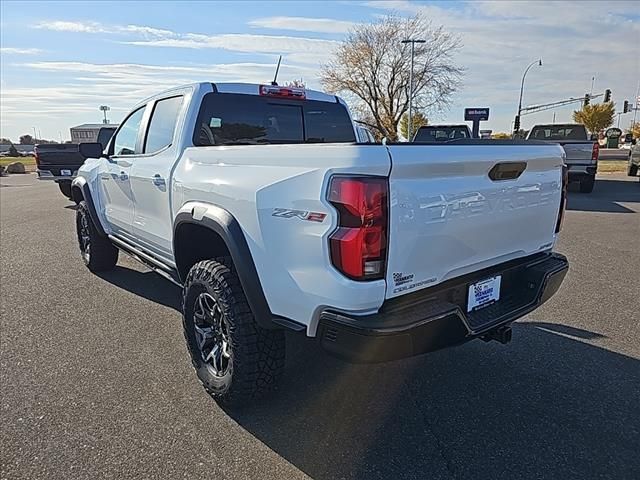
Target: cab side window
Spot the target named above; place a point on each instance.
(163, 124)
(124, 142)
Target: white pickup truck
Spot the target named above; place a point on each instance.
(257, 200)
(581, 153)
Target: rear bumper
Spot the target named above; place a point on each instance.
(437, 317)
(580, 171)
(54, 174)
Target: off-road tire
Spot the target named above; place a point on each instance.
(101, 254)
(257, 354)
(65, 188)
(586, 185)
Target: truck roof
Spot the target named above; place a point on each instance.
(549, 125)
(244, 89)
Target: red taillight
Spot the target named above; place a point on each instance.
(563, 197)
(595, 151)
(35, 154)
(359, 244)
(296, 93)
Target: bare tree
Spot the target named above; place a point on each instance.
(371, 70)
(296, 83)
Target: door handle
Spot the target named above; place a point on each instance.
(123, 176)
(158, 180)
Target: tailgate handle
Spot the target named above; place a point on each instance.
(507, 170)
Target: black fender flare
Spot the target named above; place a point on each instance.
(227, 227)
(86, 195)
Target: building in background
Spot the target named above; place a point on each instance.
(87, 132)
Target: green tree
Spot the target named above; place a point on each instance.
(418, 120)
(595, 117)
(371, 69)
(26, 139)
(634, 129)
(5, 141)
(13, 151)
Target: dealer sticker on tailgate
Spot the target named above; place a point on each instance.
(65, 173)
(484, 292)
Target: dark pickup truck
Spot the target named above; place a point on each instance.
(60, 161)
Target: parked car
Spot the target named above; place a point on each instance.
(441, 133)
(59, 162)
(582, 152)
(257, 201)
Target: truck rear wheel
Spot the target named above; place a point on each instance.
(235, 359)
(98, 253)
(586, 184)
(65, 188)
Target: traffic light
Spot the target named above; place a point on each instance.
(625, 108)
(516, 124)
(607, 95)
(587, 99)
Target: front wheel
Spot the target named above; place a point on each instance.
(98, 253)
(65, 188)
(632, 170)
(586, 185)
(235, 359)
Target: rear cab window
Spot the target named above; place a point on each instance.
(441, 134)
(559, 132)
(238, 119)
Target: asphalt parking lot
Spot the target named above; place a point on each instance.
(96, 382)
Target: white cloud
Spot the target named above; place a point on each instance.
(79, 27)
(20, 51)
(303, 49)
(304, 24)
(310, 50)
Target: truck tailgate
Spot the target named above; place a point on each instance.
(449, 218)
(56, 154)
(578, 152)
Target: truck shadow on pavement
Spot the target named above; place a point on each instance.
(146, 284)
(605, 197)
(548, 405)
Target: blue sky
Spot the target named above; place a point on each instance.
(61, 60)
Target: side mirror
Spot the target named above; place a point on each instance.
(90, 150)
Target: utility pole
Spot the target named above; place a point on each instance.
(410, 122)
(635, 110)
(593, 79)
(35, 135)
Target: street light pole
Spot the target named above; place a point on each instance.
(410, 122)
(517, 122)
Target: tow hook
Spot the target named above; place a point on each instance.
(500, 334)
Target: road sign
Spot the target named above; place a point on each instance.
(476, 114)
